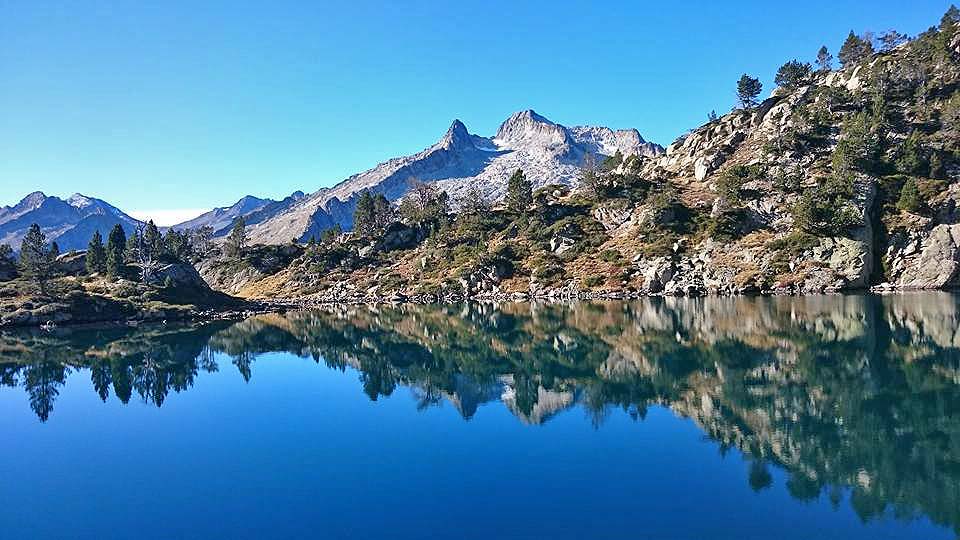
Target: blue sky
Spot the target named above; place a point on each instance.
(173, 105)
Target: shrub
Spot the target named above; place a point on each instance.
(909, 200)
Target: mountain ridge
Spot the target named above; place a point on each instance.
(547, 152)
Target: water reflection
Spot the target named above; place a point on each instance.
(855, 397)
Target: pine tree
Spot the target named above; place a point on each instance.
(792, 74)
(152, 241)
(96, 255)
(950, 19)
(35, 260)
(363, 215)
(748, 88)
(824, 59)
(116, 244)
(237, 239)
(383, 214)
(519, 192)
(854, 49)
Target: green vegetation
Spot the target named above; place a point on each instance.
(519, 192)
(237, 239)
(36, 257)
(854, 49)
(748, 88)
(793, 74)
(96, 258)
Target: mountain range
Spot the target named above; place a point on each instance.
(547, 152)
(69, 222)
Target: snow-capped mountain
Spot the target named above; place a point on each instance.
(69, 222)
(252, 209)
(546, 151)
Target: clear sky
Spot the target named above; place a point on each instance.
(178, 106)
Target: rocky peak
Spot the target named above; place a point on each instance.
(527, 128)
(31, 201)
(79, 201)
(457, 137)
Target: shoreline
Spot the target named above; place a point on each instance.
(282, 305)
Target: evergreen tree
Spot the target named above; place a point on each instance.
(237, 238)
(824, 59)
(35, 260)
(519, 192)
(383, 214)
(911, 159)
(950, 19)
(712, 116)
(116, 244)
(177, 245)
(364, 222)
(890, 39)
(152, 241)
(132, 246)
(792, 74)
(96, 255)
(748, 88)
(909, 196)
(854, 49)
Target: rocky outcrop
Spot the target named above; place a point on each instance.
(930, 260)
(180, 275)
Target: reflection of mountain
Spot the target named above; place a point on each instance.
(842, 392)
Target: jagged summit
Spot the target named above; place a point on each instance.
(527, 128)
(457, 137)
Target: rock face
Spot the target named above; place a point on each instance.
(69, 222)
(931, 261)
(547, 152)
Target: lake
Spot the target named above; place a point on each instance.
(667, 418)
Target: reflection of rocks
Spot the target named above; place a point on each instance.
(468, 394)
(546, 404)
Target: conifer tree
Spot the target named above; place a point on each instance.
(792, 74)
(824, 59)
(363, 214)
(854, 49)
(237, 239)
(116, 244)
(519, 192)
(35, 259)
(96, 260)
(748, 88)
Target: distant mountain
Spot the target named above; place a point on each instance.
(253, 209)
(69, 222)
(547, 152)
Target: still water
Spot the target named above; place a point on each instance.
(813, 417)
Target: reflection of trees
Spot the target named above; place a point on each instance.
(855, 397)
(42, 381)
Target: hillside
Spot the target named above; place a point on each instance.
(841, 179)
